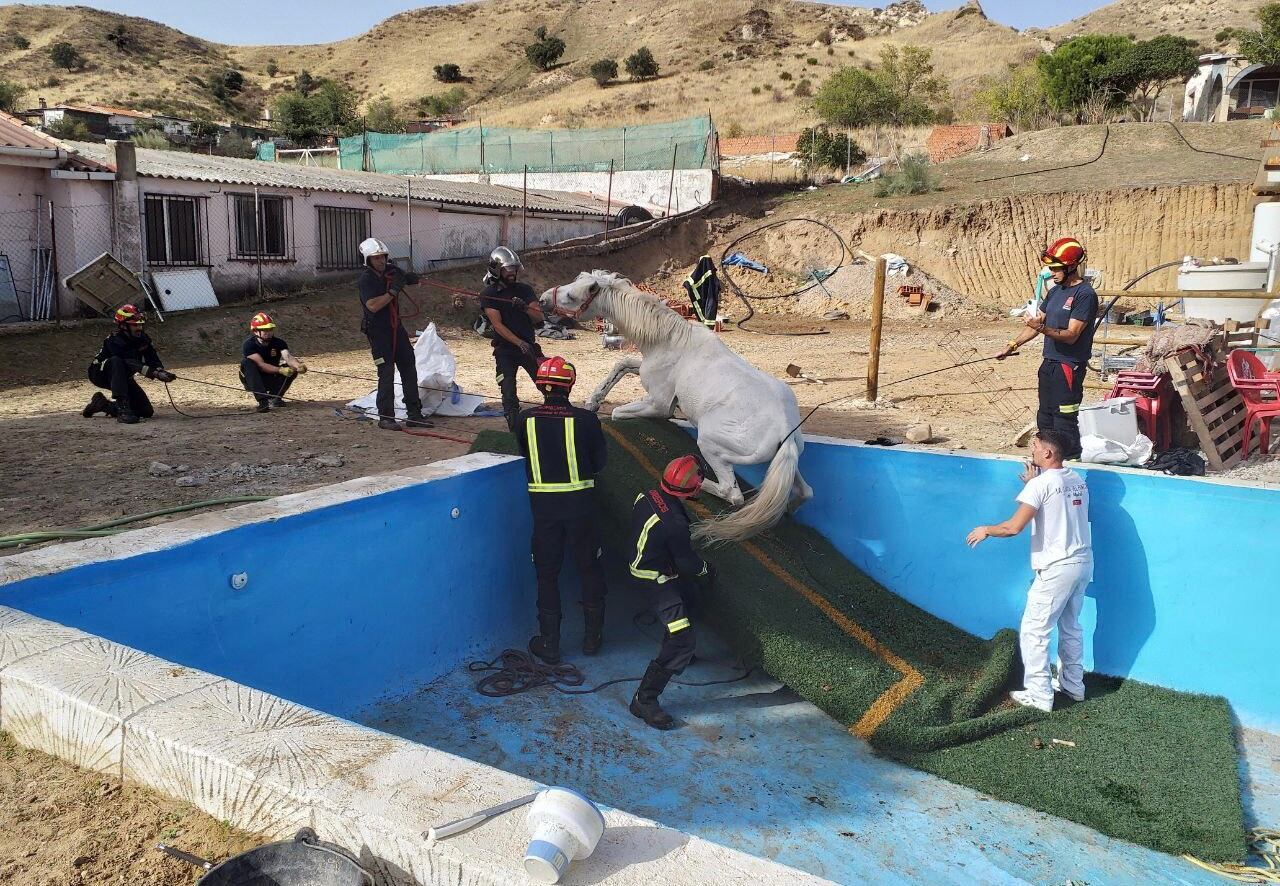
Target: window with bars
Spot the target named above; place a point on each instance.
(341, 230)
(261, 225)
(174, 229)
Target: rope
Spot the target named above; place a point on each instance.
(1265, 844)
(737, 290)
(1106, 136)
(515, 671)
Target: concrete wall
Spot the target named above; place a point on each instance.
(1184, 594)
(641, 187)
(376, 592)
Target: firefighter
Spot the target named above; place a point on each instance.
(124, 354)
(703, 287)
(512, 309)
(381, 284)
(268, 368)
(564, 450)
(1066, 319)
(666, 564)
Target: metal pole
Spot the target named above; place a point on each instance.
(53, 246)
(608, 203)
(552, 135)
(408, 208)
(671, 188)
(877, 319)
(257, 222)
(848, 151)
(482, 146)
(524, 212)
(773, 152)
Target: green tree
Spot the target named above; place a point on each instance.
(233, 145)
(1263, 45)
(1143, 70)
(902, 90)
(272, 68)
(329, 108)
(69, 128)
(641, 65)
(304, 82)
(381, 116)
(448, 73)
(64, 55)
(852, 97)
(819, 147)
(603, 71)
(545, 51)
(448, 102)
(1076, 71)
(10, 96)
(1015, 97)
(151, 139)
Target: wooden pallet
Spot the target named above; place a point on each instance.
(1242, 334)
(1214, 408)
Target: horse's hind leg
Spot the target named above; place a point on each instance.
(725, 485)
(629, 365)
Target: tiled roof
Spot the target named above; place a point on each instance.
(783, 142)
(13, 134)
(233, 171)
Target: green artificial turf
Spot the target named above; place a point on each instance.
(1149, 765)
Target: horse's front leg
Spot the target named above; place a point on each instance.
(629, 365)
(657, 403)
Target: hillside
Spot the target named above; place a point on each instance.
(739, 60)
(1199, 19)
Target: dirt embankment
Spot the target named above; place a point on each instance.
(987, 249)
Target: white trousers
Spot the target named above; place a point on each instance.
(1055, 598)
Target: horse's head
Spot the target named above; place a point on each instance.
(576, 299)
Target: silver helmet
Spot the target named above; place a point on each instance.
(504, 259)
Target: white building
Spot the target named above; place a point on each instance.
(1230, 87)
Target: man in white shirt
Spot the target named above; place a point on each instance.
(1055, 501)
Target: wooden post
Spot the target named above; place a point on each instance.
(877, 320)
(608, 204)
(671, 188)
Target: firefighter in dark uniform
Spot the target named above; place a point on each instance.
(268, 368)
(564, 450)
(123, 355)
(512, 309)
(381, 284)
(666, 565)
(1067, 320)
(703, 287)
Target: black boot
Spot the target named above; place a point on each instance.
(416, 419)
(593, 634)
(125, 414)
(546, 645)
(99, 404)
(644, 704)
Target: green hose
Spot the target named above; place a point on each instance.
(99, 530)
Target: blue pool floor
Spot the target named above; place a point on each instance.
(757, 768)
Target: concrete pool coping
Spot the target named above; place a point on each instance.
(272, 766)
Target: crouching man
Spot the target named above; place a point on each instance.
(123, 355)
(1055, 501)
(268, 368)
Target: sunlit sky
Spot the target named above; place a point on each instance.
(322, 21)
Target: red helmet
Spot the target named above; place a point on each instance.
(129, 315)
(683, 477)
(1064, 255)
(557, 372)
(261, 320)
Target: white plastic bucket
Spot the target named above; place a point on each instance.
(565, 826)
(1115, 419)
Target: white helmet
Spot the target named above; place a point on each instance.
(371, 247)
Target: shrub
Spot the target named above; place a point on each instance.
(381, 116)
(50, 82)
(232, 145)
(545, 52)
(706, 64)
(785, 75)
(811, 61)
(64, 55)
(151, 139)
(69, 128)
(778, 96)
(831, 50)
(122, 39)
(272, 68)
(641, 65)
(820, 147)
(603, 71)
(735, 130)
(21, 42)
(804, 88)
(755, 90)
(448, 73)
(914, 176)
(447, 102)
(10, 95)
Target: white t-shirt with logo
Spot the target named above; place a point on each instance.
(1060, 528)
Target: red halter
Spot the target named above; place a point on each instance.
(564, 312)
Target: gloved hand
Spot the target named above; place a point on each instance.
(302, 368)
(526, 348)
(287, 371)
(163, 375)
(410, 278)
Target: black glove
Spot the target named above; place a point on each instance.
(163, 375)
(410, 278)
(526, 348)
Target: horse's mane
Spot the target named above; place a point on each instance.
(641, 317)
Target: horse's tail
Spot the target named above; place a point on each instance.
(765, 509)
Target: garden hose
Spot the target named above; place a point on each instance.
(1265, 844)
(111, 527)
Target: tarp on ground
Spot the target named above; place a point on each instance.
(436, 367)
(1149, 765)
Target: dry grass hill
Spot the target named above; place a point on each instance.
(740, 60)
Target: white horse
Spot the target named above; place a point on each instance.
(743, 416)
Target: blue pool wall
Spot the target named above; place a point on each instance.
(345, 604)
(1185, 591)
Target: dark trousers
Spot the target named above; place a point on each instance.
(392, 352)
(262, 385)
(1061, 392)
(507, 364)
(672, 611)
(706, 307)
(551, 535)
(116, 375)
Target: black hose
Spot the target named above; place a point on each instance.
(737, 290)
(1106, 136)
(1132, 283)
(1204, 151)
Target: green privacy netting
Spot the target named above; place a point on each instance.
(491, 149)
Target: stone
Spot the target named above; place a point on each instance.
(159, 469)
(327, 461)
(190, 481)
(921, 433)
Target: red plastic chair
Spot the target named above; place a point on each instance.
(1260, 391)
(1153, 400)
